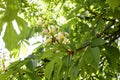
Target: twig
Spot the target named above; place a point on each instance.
(96, 14)
(82, 47)
(107, 27)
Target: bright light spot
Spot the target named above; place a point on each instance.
(4, 54)
(61, 20)
(112, 26)
(3, 31)
(27, 49)
(15, 25)
(2, 44)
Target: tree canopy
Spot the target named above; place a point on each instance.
(78, 39)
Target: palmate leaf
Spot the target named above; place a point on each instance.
(10, 14)
(11, 38)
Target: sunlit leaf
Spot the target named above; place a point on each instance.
(11, 38)
(15, 53)
(21, 22)
(23, 26)
(69, 23)
(1, 24)
(49, 69)
(6, 75)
